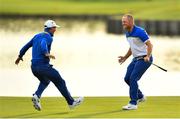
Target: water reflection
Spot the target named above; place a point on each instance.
(86, 54)
(16, 25)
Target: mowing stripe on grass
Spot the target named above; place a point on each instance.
(93, 107)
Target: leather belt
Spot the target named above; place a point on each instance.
(140, 57)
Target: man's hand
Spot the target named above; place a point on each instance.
(17, 60)
(50, 56)
(146, 58)
(122, 59)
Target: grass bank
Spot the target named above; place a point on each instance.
(141, 9)
(93, 107)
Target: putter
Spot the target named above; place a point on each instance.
(158, 67)
(142, 57)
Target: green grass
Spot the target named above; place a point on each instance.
(143, 9)
(93, 107)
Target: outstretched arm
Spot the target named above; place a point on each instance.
(122, 59)
(23, 51)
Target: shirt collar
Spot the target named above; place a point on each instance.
(47, 31)
(129, 33)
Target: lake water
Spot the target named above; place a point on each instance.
(86, 57)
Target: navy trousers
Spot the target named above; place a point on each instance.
(135, 70)
(45, 74)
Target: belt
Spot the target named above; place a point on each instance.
(140, 57)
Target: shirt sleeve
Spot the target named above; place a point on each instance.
(25, 48)
(143, 36)
(44, 46)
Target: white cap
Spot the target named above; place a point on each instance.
(50, 24)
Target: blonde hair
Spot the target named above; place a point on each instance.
(130, 17)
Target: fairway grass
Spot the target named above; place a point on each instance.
(92, 107)
(141, 9)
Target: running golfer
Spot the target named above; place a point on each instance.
(41, 46)
(141, 49)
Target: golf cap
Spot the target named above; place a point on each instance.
(50, 24)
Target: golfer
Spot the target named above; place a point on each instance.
(141, 49)
(41, 46)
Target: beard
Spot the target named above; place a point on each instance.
(126, 28)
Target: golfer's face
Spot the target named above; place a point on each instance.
(126, 23)
(53, 29)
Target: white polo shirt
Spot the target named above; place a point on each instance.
(137, 39)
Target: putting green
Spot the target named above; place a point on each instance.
(92, 107)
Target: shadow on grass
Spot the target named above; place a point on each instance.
(52, 114)
(97, 114)
(20, 115)
(35, 114)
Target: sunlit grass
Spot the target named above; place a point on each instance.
(93, 107)
(144, 9)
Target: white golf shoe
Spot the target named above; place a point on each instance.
(36, 102)
(76, 102)
(143, 99)
(130, 107)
